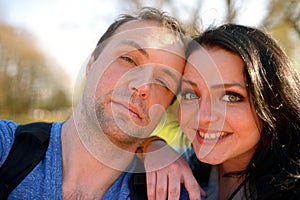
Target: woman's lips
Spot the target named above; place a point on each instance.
(210, 135)
(213, 135)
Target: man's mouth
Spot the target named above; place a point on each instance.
(135, 111)
(132, 110)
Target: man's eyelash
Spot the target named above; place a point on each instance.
(162, 83)
(128, 59)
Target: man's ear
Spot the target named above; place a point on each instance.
(90, 64)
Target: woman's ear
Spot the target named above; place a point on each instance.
(90, 64)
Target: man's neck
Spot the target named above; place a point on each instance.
(84, 176)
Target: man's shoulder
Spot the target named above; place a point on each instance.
(8, 126)
(7, 130)
(44, 180)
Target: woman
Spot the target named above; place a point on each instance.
(240, 107)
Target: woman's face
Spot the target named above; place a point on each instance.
(215, 111)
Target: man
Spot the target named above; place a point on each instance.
(131, 78)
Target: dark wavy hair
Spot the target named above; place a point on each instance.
(274, 85)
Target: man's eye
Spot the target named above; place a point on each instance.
(128, 59)
(232, 97)
(189, 95)
(162, 83)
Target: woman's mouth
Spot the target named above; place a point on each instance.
(212, 136)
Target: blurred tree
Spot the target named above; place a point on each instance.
(282, 18)
(26, 81)
(283, 22)
(283, 12)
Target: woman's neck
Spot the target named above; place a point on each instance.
(229, 184)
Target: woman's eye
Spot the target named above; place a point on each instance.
(189, 95)
(231, 98)
(128, 59)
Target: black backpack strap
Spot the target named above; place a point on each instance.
(29, 147)
(138, 185)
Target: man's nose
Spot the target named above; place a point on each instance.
(141, 81)
(142, 91)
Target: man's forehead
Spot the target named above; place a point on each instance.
(148, 34)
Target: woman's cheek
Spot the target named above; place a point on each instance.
(187, 116)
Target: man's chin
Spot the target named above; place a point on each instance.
(123, 141)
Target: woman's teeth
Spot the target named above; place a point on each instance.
(212, 136)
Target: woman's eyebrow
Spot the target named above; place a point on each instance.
(227, 85)
(216, 86)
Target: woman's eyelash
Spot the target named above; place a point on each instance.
(189, 95)
(232, 97)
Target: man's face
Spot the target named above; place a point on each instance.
(134, 80)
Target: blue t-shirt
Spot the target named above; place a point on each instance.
(45, 180)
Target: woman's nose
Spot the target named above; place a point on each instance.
(207, 112)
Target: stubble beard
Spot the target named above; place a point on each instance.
(119, 129)
(112, 130)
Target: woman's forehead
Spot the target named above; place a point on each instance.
(214, 65)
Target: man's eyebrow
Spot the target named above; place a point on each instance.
(171, 74)
(189, 82)
(136, 46)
